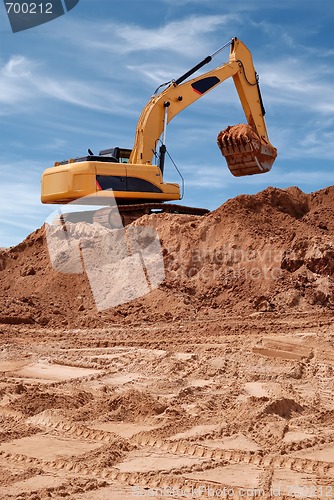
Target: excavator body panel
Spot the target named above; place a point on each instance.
(101, 181)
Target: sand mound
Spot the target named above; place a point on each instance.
(266, 252)
(284, 407)
(128, 406)
(34, 401)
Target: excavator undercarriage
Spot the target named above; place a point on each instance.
(129, 213)
(122, 215)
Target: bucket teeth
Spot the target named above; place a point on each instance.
(229, 145)
(244, 152)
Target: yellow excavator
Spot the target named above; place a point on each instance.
(135, 177)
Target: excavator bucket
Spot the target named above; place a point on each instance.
(244, 151)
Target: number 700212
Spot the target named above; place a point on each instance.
(310, 491)
(28, 8)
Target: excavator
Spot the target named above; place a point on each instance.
(133, 178)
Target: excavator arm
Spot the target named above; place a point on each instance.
(246, 152)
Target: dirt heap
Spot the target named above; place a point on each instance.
(271, 251)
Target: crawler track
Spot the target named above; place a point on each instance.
(129, 213)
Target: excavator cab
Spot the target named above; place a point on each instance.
(121, 155)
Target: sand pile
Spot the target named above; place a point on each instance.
(266, 252)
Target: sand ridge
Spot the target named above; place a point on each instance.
(220, 378)
(271, 251)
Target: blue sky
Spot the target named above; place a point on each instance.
(82, 80)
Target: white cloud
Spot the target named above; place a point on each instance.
(240, 6)
(290, 39)
(151, 72)
(304, 178)
(298, 84)
(18, 66)
(187, 36)
(86, 95)
(24, 85)
(15, 76)
(185, 2)
(21, 210)
(307, 140)
(217, 178)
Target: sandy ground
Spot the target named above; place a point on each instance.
(217, 384)
(184, 409)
